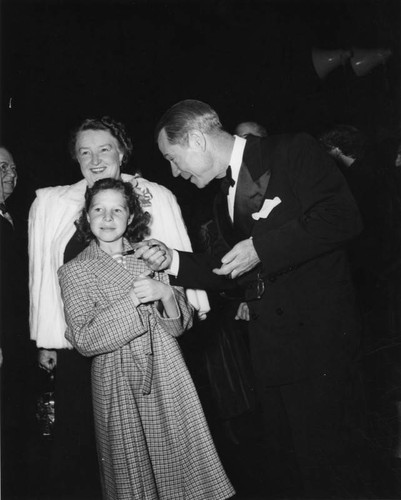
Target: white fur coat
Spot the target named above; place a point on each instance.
(51, 225)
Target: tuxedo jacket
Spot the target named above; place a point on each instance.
(305, 321)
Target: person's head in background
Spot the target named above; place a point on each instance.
(244, 129)
(345, 143)
(101, 147)
(8, 173)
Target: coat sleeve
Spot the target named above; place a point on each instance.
(177, 326)
(196, 271)
(92, 328)
(327, 215)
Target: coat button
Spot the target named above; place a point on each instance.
(254, 316)
(279, 311)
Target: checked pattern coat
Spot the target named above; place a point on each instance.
(152, 437)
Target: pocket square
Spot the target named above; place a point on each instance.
(267, 207)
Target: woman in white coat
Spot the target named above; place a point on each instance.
(102, 149)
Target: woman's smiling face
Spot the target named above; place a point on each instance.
(99, 155)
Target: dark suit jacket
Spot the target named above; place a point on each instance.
(305, 321)
(9, 267)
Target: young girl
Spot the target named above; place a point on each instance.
(152, 438)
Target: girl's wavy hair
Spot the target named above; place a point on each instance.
(139, 226)
(115, 128)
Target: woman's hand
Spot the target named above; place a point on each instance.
(243, 312)
(47, 359)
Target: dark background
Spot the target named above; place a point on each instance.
(63, 61)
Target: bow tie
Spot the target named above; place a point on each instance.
(227, 181)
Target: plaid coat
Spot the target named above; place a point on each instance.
(152, 437)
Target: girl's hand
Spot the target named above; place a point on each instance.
(150, 290)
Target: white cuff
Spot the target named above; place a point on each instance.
(175, 264)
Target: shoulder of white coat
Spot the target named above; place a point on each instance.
(49, 193)
(57, 192)
(46, 199)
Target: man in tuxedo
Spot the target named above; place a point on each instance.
(282, 224)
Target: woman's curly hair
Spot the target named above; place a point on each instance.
(115, 128)
(139, 226)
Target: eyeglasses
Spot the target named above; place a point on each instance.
(5, 167)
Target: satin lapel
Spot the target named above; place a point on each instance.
(253, 180)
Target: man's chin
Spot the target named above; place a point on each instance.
(198, 183)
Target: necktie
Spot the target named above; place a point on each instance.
(227, 181)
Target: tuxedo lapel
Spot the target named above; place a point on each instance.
(253, 180)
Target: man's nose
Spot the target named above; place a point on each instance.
(108, 215)
(9, 170)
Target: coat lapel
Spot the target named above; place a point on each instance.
(108, 269)
(253, 180)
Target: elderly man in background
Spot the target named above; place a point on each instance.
(18, 370)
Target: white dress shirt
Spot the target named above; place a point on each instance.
(235, 164)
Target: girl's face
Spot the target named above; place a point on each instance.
(108, 217)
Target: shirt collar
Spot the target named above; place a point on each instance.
(236, 156)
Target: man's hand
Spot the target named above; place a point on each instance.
(47, 359)
(155, 254)
(239, 260)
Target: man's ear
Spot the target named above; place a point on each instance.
(197, 140)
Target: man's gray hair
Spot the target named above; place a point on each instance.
(185, 116)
